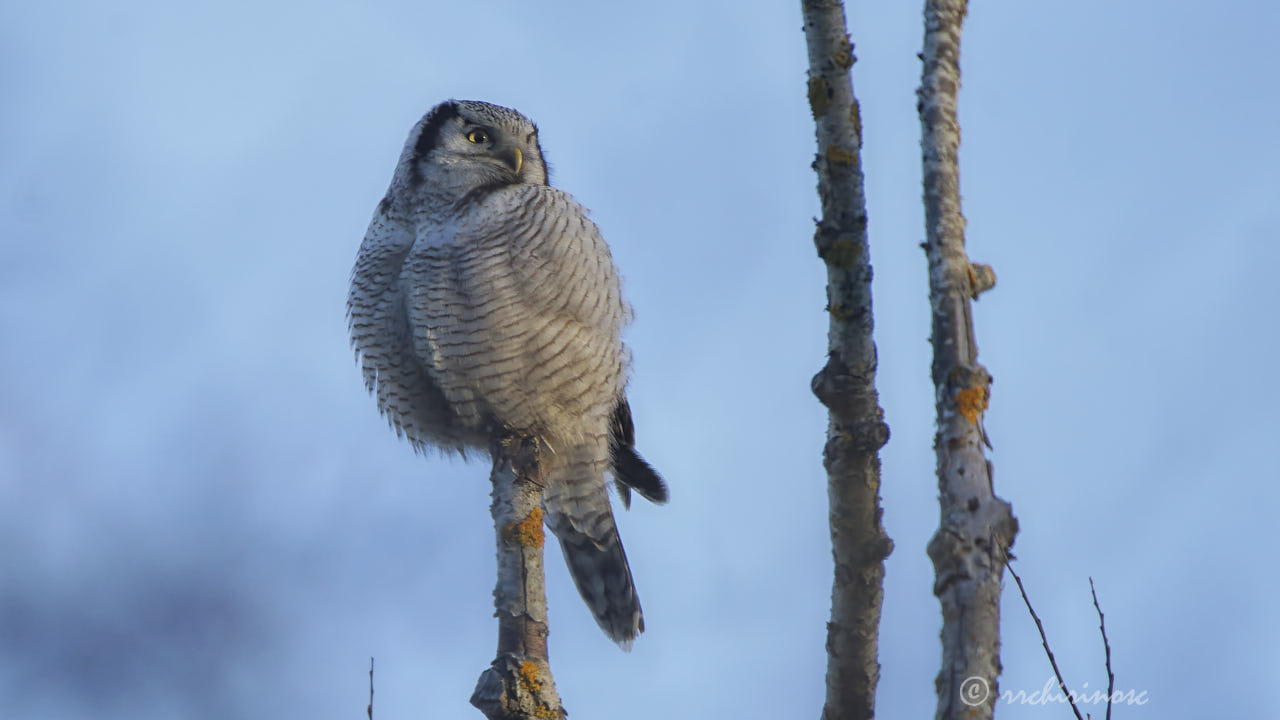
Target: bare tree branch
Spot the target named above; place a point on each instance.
(1044, 640)
(976, 527)
(1106, 645)
(518, 685)
(846, 385)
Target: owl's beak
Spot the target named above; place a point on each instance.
(519, 159)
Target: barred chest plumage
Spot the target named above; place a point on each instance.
(520, 315)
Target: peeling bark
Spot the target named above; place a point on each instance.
(976, 528)
(846, 385)
(518, 685)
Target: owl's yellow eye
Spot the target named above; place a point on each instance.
(478, 137)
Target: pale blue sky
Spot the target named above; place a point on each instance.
(203, 516)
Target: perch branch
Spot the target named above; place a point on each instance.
(518, 684)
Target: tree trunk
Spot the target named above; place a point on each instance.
(846, 385)
(518, 685)
(976, 527)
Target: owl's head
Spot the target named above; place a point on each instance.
(462, 148)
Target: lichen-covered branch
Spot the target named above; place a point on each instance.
(518, 685)
(846, 385)
(976, 526)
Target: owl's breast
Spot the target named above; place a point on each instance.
(516, 312)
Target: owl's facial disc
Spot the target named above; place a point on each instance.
(492, 144)
(465, 145)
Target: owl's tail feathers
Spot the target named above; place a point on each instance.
(603, 577)
(630, 471)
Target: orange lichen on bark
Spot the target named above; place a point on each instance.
(819, 96)
(842, 252)
(840, 156)
(844, 55)
(981, 279)
(528, 532)
(529, 675)
(971, 402)
(839, 312)
(855, 117)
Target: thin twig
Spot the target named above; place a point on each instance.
(1102, 625)
(370, 708)
(1062, 684)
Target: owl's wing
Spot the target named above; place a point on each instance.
(378, 323)
(630, 471)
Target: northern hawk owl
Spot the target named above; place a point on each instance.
(484, 303)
